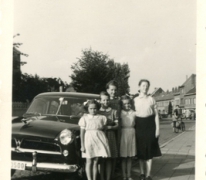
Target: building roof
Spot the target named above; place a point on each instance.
(156, 89)
(192, 75)
(165, 96)
(191, 91)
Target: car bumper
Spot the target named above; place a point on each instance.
(52, 167)
(34, 165)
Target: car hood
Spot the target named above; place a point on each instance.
(41, 128)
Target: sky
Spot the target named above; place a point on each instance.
(156, 38)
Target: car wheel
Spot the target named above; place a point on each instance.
(82, 173)
(12, 172)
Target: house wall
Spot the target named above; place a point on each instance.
(163, 105)
(190, 102)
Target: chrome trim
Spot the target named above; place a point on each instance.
(51, 167)
(22, 150)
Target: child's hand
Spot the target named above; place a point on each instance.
(83, 149)
(109, 127)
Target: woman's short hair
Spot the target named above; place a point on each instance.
(125, 97)
(92, 101)
(104, 93)
(111, 83)
(144, 80)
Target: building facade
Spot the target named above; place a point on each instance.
(184, 96)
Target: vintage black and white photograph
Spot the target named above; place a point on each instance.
(103, 90)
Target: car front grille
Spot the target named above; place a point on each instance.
(38, 145)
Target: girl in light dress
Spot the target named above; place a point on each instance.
(94, 143)
(128, 137)
(108, 166)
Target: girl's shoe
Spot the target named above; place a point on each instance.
(148, 178)
(124, 178)
(130, 178)
(142, 177)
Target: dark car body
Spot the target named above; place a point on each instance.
(47, 136)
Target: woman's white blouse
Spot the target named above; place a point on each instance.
(144, 106)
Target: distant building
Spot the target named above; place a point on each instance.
(157, 92)
(190, 99)
(184, 95)
(163, 101)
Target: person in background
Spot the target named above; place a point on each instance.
(110, 130)
(94, 143)
(128, 138)
(177, 116)
(147, 129)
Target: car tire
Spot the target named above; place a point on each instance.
(82, 173)
(12, 172)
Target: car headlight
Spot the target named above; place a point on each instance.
(65, 137)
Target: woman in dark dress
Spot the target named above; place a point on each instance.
(147, 129)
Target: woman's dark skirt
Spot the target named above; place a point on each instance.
(147, 143)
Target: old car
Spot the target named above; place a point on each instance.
(47, 136)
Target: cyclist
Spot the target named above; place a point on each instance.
(177, 116)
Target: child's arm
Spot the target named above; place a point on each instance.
(116, 121)
(82, 134)
(116, 125)
(157, 132)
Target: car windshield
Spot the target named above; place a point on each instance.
(56, 106)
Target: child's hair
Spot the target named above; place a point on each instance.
(104, 93)
(113, 83)
(88, 102)
(144, 80)
(125, 98)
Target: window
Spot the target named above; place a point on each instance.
(188, 101)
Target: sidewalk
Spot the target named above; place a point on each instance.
(177, 161)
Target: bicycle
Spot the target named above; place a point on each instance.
(180, 125)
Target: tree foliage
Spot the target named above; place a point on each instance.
(170, 108)
(17, 45)
(94, 70)
(28, 86)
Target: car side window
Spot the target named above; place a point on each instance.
(77, 109)
(72, 107)
(53, 107)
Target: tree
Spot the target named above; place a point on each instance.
(17, 45)
(170, 108)
(94, 70)
(28, 87)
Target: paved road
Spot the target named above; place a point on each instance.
(165, 136)
(166, 130)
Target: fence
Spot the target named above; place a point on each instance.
(19, 108)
